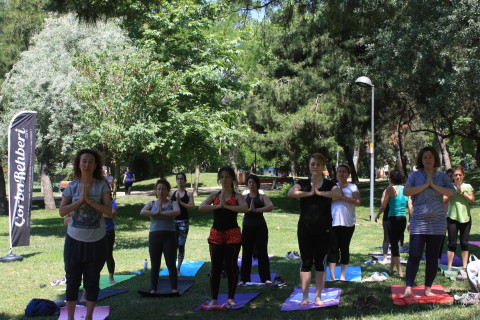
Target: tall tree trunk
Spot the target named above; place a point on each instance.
(293, 161)
(197, 180)
(46, 185)
(3, 193)
(439, 134)
(477, 154)
(351, 164)
(401, 158)
(356, 156)
(161, 171)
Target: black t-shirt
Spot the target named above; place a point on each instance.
(254, 219)
(183, 211)
(315, 211)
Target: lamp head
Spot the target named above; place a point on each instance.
(364, 82)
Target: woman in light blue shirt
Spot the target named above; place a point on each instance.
(428, 225)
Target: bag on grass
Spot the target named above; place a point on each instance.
(41, 307)
(473, 272)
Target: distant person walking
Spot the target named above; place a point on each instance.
(128, 180)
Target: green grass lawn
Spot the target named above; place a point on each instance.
(43, 262)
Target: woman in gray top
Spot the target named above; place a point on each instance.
(86, 199)
(162, 238)
(428, 224)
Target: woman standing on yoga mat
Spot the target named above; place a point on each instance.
(162, 238)
(397, 202)
(459, 218)
(225, 236)
(427, 186)
(343, 223)
(87, 200)
(314, 225)
(255, 232)
(185, 201)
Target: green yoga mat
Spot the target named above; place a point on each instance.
(450, 274)
(105, 280)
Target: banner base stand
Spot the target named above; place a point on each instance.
(11, 257)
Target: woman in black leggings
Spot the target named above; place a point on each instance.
(314, 225)
(225, 236)
(255, 232)
(162, 238)
(459, 218)
(397, 221)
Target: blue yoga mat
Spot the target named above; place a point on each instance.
(188, 269)
(354, 273)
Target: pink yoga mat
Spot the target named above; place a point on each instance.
(99, 313)
(418, 295)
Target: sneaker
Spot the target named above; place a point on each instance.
(296, 256)
(469, 298)
(462, 275)
(370, 261)
(290, 255)
(279, 282)
(63, 282)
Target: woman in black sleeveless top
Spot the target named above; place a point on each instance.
(255, 232)
(186, 202)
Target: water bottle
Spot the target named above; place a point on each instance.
(145, 265)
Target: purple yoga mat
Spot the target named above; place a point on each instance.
(241, 299)
(475, 243)
(330, 297)
(254, 261)
(443, 260)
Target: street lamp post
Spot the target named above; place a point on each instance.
(366, 82)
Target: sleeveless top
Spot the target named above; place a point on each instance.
(224, 219)
(161, 222)
(183, 211)
(398, 204)
(254, 219)
(315, 211)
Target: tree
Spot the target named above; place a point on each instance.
(44, 80)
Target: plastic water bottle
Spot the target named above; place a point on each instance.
(145, 265)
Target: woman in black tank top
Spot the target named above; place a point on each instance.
(186, 202)
(255, 232)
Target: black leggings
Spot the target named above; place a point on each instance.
(341, 237)
(83, 260)
(453, 227)
(313, 248)
(128, 188)
(257, 237)
(163, 242)
(386, 240)
(218, 254)
(418, 242)
(110, 243)
(396, 228)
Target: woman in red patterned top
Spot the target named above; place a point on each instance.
(225, 236)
